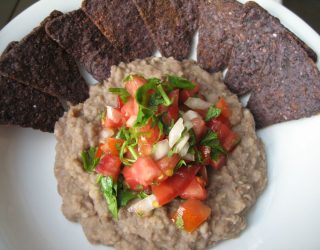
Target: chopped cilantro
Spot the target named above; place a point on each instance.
(89, 159)
(192, 140)
(128, 78)
(214, 155)
(198, 156)
(133, 152)
(142, 93)
(180, 164)
(211, 140)
(126, 195)
(123, 133)
(213, 112)
(167, 101)
(117, 194)
(179, 82)
(143, 116)
(121, 92)
(110, 190)
(155, 99)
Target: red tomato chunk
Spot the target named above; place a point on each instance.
(113, 119)
(149, 135)
(109, 165)
(185, 94)
(172, 111)
(193, 213)
(130, 108)
(135, 83)
(195, 190)
(167, 164)
(199, 127)
(144, 171)
(172, 187)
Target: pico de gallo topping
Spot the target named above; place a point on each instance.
(156, 146)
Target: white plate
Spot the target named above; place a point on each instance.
(285, 217)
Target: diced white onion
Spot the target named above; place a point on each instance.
(110, 113)
(144, 206)
(189, 157)
(161, 149)
(189, 115)
(175, 132)
(197, 103)
(184, 150)
(105, 134)
(182, 143)
(188, 125)
(131, 121)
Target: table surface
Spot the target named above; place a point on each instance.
(307, 10)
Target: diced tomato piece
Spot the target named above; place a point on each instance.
(130, 108)
(199, 127)
(172, 187)
(172, 111)
(119, 102)
(185, 94)
(113, 119)
(193, 213)
(144, 171)
(231, 141)
(114, 145)
(195, 190)
(145, 149)
(131, 181)
(102, 149)
(168, 163)
(218, 163)
(224, 120)
(99, 151)
(227, 137)
(133, 84)
(149, 134)
(225, 110)
(109, 165)
(221, 129)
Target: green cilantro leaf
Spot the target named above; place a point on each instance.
(123, 134)
(215, 154)
(198, 156)
(126, 195)
(180, 164)
(143, 116)
(142, 92)
(121, 92)
(128, 78)
(167, 101)
(179, 82)
(89, 159)
(109, 190)
(211, 140)
(213, 112)
(155, 99)
(192, 140)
